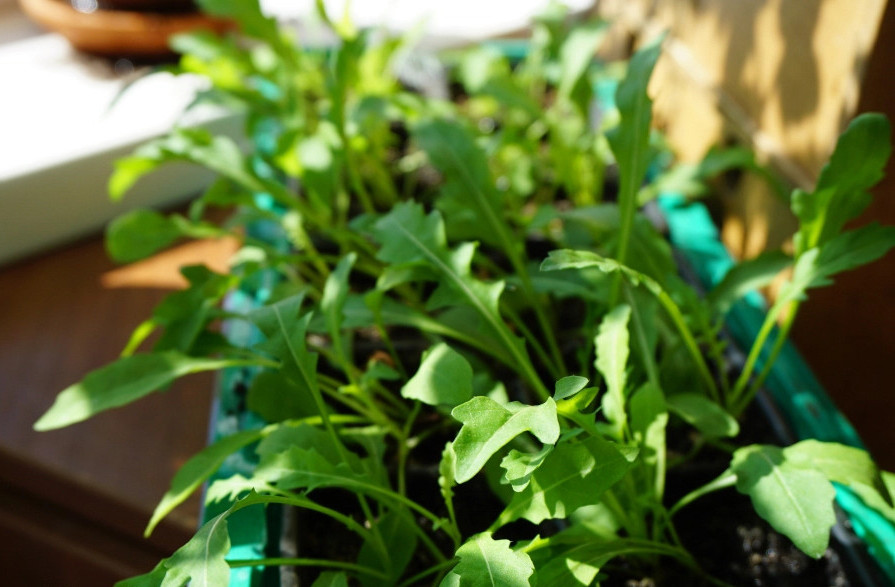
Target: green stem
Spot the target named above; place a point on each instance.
(723, 481)
(779, 342)
(740, 393)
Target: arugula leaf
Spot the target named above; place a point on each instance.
(469, 187)
(851, 249)
(577, 54)
(571, 476)
(200, 562)
(485, 562)
(797, 502)
(575, 557)
(396, 529)
(198, 469)
(705, 415)
(138, 234)
(286, 333)
(518, 466)
(124, 381)
(630, 139)
(408, 236)
(649, 418)
(569, 386)
(331, 579)
(567, 259)
(488, 426)
(746, 276)
(839, 463)
(841, 193)
(443, 378)
(612, 357)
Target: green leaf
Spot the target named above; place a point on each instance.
(488, 426)
(286, 333)
(569, 259)
(184, 314)
(569, 386)
(572, 475)
(396, 530)
(408, 236)
(332, 304)
(195, 145)
(138, 234)
(153, 578)
(443, 378)
(649, 418)
(612, 358)
(485, 562)
(519, 466)
(468, 183)
(275, 398)
(247, 13)
(307, 468)
(575, 557)
(849, 250)
(797, 502)
(841, 193)
(838, 463)
(745, 277)
(577, 54)
(197, 470)
(125, 381)
(200, 562)
(704, 414)
(630, 139)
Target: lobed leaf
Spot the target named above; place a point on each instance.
(485, 562)
(488, 426)
(571, 476)
(200, 562)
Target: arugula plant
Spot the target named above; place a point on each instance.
(414, 341)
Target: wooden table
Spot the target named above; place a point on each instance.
(74, 502)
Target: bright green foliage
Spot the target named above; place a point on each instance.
(612, 359)
(199, 469)
(124, 381)
(199, 562)
(796, 501)
(745, 277)
(485, 562)
(444, 378)
(488, 426)
(391, 245)
(571, 476)
(705, 415)
(841, 193)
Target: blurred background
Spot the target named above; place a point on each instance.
(780, 76)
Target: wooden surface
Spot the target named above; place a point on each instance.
(104, 476)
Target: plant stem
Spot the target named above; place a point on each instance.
(741, 394)
(723, 481)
